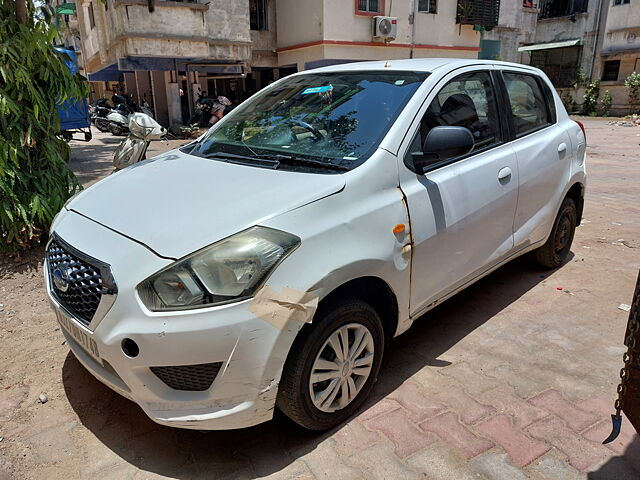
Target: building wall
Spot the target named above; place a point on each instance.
(621, 41)
(516, 26)
(299, 21)
(313, 30)
(562, 28)
(265, 42)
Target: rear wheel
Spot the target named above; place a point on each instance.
(556, 249)
(332, 366)
(115, 129)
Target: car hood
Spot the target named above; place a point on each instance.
(176, 203)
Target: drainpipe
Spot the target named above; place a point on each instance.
(596, 39)
(414, 15)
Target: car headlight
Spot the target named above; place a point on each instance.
(230, 270)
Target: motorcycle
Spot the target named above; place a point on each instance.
(202, 111)
(99, 111)
(142, 130)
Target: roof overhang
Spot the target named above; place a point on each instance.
(549, 46)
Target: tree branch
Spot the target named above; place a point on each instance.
(21, 11)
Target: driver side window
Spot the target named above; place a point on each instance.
(466, 101)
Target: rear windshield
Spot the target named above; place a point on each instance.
(338, 118)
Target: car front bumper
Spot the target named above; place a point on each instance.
(248, 351)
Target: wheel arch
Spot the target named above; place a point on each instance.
(373, 291)
(576, 193)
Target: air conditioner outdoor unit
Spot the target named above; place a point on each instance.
(385, 27)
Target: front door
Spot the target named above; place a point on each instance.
(462, 209)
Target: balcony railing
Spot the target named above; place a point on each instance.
(478, 12)
(562, 8)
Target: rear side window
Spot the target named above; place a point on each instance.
(528, 104)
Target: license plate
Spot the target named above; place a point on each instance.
(83, 339)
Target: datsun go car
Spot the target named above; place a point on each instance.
(268, 263)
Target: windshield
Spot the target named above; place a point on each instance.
(330, 119)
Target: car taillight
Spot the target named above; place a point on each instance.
(582, 128)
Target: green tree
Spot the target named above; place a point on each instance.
(35, 180)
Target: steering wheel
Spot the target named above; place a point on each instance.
(317, 134)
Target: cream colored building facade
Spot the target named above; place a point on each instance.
(317, 32)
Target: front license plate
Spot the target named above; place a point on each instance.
(87, 343)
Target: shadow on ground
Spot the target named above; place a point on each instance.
(123, 427)
(616, 468)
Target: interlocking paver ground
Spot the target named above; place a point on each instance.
(511, 379)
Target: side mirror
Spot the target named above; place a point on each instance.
(443, 143)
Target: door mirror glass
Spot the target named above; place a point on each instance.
(443, 143)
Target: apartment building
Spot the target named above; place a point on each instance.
(235, 47)
(314, 33)
(561, 37)
(620, 50)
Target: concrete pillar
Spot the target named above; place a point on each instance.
(144, 87)
(160, 98)
(173, 102)
(130, 85)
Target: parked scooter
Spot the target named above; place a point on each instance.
(119, 116)
(99, 111)
(142, 130)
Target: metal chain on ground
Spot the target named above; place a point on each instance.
(630, 361)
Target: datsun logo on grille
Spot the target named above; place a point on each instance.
(61, 279)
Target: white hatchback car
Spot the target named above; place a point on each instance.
(269, 262)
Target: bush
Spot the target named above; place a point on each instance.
(606, 103)
(35, 180)
(568, 101)
(591, 94)
(632, 84)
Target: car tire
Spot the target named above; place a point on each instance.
(313, 347)
(554, 252)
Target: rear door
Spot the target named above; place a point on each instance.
(543, 150)
(462, 209)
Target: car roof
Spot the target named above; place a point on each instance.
(415, 65)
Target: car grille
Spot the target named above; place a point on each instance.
(84, 290)
(195, 378)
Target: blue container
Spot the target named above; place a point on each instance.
(73, 113)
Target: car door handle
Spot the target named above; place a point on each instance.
(562, 147)
(504, 174)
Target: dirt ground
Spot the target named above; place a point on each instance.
(513, 378)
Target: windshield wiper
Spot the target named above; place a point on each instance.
(245, 160)
(293, 160)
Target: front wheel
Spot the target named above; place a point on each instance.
(332, 366)
(554, 252)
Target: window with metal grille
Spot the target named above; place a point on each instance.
(92, 20)
(478, 12)
(258, 15)
(562, 8)
(428, 6)
(560, 64)
(620, 2)
(610, 71)
(369, 6)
